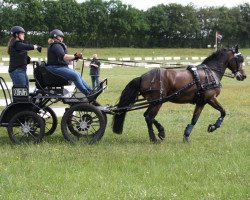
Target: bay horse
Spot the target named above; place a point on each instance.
(199, 85)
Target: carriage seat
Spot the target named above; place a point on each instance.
(46, 79)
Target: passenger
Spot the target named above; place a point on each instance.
(59, 59)
(19, 58)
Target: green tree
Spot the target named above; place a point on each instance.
(99, 23)
(26, 13)
(172, 25)
(159, 25)
(139, 28)
(183, 25)
(128, 26)
(1, 19)
(96, 15)
(231, 23)
(243, 29)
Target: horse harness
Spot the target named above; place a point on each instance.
(158, 73)
(210, 82)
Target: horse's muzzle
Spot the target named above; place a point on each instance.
(240, 77)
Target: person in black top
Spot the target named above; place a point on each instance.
(59, 59)
(95, 71)
(19, 58)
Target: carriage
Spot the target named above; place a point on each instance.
(28, 117)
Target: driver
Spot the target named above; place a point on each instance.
(59, 59)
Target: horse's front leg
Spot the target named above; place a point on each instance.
(161, 131)
(198, 109)
(216, 105)
(149, 115)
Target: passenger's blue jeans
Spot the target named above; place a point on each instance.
(71, 75)
(95, 81)
(19, 77)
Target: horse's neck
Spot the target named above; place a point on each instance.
(218, 68)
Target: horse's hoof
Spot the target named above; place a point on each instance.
(161, 135)
(211, 128)
(185, 139)
(156, 141)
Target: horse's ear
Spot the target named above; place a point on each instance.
(236, 49)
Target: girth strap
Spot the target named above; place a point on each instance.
(196, 76)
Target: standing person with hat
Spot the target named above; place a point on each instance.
(95, 71)
(59, 59)
(19, 58)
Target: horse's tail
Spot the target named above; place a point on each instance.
(128, 97)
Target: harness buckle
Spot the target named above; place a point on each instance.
(194, 68)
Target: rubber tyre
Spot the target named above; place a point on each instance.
(83, 123)
(26, 127)
(50, 120)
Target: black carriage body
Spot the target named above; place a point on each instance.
(20, 102)
(14, 108)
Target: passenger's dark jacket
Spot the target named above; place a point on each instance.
(19, 55)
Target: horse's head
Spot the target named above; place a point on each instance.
(235, 64)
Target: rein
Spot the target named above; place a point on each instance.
(228, 75)
(174, 66)
(122, 63)
(144, 103)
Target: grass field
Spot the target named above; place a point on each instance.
(213, 166)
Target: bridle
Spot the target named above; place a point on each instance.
(236, 61)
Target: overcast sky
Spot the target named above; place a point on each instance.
(145, 4)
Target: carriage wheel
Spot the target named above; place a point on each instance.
(26, 127)
(83, 123)
(50, 120)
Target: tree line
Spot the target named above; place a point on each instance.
(98, 23)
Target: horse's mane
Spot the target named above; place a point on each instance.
(215, 56)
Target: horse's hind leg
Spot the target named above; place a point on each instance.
(196, 115)
(149, 115)
(215, 104)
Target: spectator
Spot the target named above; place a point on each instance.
(95, 71)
